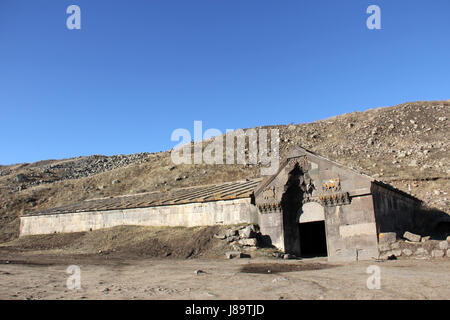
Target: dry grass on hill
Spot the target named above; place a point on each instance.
(406, 146)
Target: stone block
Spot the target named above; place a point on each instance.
(367, 254)
(384, 247)
(424, 239)
(407, 252)
(448, 252)
(421, 252)
(395, 245)
(248, 242)
(412, 237)
(387, 237)
(443, 245)
(437, 253)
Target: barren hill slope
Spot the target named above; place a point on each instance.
(406, 146)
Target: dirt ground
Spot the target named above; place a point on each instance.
(41, 276)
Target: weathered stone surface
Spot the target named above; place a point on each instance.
(448, 252)
(421, 252)
(448, 239)
(407, 252)
(248, 242)
(384, 247)
(234, 254)
(437, 253)
(397, 252)
(247, 232)
(412, 237)
(344, 255)
(395, 245)
(229, 212)
(387, 237)
(424, 239)
(232, 238)
(231, 233)
(443, 245)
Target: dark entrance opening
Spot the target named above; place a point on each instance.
(313, 240)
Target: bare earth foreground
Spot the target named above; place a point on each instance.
(44, 277)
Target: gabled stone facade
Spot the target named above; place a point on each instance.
(310, 193)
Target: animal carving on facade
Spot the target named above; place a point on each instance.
(332, 185)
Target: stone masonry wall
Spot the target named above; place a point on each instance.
(225, 212)
(412, 246)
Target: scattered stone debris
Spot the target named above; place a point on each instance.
(425, 248)
(240, 238)
(412, 237)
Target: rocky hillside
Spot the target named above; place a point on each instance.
(406, 146)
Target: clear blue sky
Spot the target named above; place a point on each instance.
(137, 70)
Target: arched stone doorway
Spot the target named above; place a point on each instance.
(312, 230)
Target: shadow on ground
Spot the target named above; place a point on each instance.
(268, 268)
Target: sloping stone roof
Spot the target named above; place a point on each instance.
(196, 194)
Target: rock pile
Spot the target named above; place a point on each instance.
(33, 175)
(412, 246)
(240, 238)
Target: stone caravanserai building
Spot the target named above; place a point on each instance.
(311, 207)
